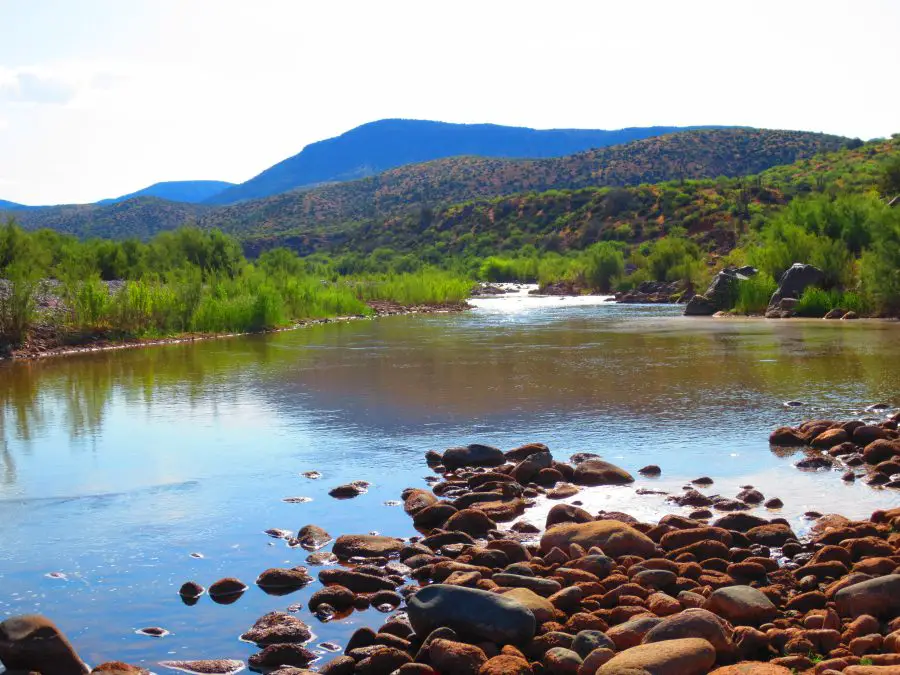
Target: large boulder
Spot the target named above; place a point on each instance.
(879, 597)
(699, 305)
(693, 623)
(794, 281)
(598, 472)
(475, 454)
(34, 643)
(613, 537)
(471, 612)
(690, 656)
(366, 546)
(741, 605)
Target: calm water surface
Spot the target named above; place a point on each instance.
(115, 467)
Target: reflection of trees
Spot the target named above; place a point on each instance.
(9, 464)
(77, 392)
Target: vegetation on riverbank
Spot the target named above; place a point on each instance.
(68, 292)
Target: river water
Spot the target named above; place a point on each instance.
(115, 467)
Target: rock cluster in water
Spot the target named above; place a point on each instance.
(584, 595)
(869, 451)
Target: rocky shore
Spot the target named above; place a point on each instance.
(485, 592)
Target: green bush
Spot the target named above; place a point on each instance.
(17, 306)
(601, 264)
(753, 294)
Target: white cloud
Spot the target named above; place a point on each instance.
(35, 86)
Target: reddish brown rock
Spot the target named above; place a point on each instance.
(688, 656)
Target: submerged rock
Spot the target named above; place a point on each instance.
(278, 579)
(475, 454)
(226, 591)
(366, 546)
(599, 472)
(206, 666)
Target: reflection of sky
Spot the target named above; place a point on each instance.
(124, 463)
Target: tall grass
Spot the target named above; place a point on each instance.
(425, 287)
(816, 302)
(754, 293)
(17, 308)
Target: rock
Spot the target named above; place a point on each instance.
(598, 472)
(471, 521)
(880, 450)
(541, 607)
(471, 612)
(787, 437)
(830, 438)
(567, 513)
(741, 605)
(347, 491)
(529, 467)
(688, 656)
(849, 316)
(34, 643)
(382, 661)
(226, 591)
(277, 627)
(337, 597)
(191, 590)
(278, 580)
(594, 660)
(563, 491)
(505, 665)
(693, 623)
(650, 470)
(206, 666)
(613, 537)
(772, 534)
(312, 537)
(473, 455)
(834, 314)
(366, 546)
(700, 305)
(448, 656)
(562, 661)
(794, 281)
(416, 499)
(586, 641)
(879, 597)
(118, 668)
(752, 668)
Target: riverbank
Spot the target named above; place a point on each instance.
(489, 591)
(44, 341)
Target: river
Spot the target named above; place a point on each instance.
(116, 466)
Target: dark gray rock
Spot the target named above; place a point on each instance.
(471, 612)
(879, 597)
(473, 455)
(794, 281)
(587, 641)
(700, 305)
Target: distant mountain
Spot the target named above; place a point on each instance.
(12, 206)
(343, 207)
(377, 146)
(187, 191)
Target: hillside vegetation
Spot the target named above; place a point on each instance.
(385, 144)
(316, 215)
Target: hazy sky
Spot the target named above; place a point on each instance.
(103, 97)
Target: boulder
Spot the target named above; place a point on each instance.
(598, 472)
(700, 305)
(506, 664)
(689, 656)
(693, 623)
(794, 281)
(475, 454)
(280, 580)
(277, 627)
(34, 643)
(613, 537)
(471, 612)
(282, 655)
(752, 668)
(206, 666)
(741, 605)
(879, 597)
(449, 656)
(541, 607)
(366, 546)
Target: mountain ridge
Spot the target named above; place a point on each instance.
(377, 146)
(184, 191)
(683, 155)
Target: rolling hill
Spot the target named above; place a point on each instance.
(187, 191)
(11, 206)
(414, 188)
(386, 144)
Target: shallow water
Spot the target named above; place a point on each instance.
(115, 467)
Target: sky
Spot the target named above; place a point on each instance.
(99, 98)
